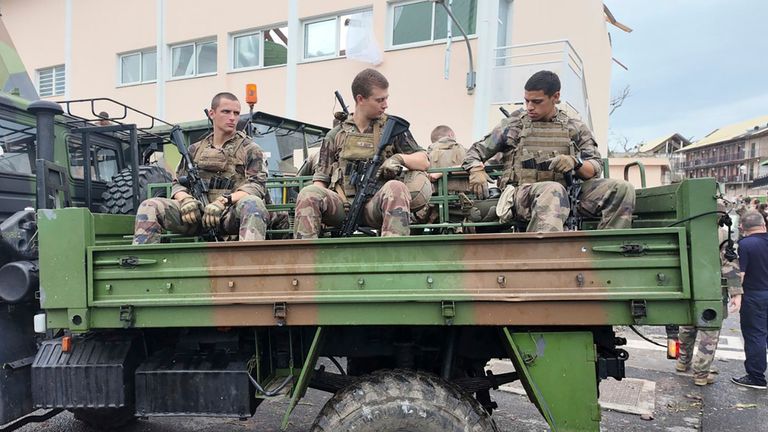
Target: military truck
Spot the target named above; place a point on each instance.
(112, 332)
(213, 329)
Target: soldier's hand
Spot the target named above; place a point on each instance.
(735, 304)
(191, 210)
(478, 181)
(212, 214)
(562, 163)
(391, 168)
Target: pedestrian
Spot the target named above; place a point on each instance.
(708, 339)
(753, 261)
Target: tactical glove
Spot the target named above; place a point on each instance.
(191, 210)
(478, 181)
(563, 163)
(212, 214)
(391, 168)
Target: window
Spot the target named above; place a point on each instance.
(17, 146)
(327, 37)
(426, 21)
(50, 81)
(103, 160)
(138, 67)
(193, 59)
(262, 48)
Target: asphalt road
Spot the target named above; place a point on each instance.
(680, 406)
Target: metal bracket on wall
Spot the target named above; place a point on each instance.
(127, 316)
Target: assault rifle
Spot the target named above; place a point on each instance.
(192, 181)
(573, 188)
(504, 111)
(366, 182)
(341, 116)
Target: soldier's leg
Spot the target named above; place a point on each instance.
(544, 205)
(156, 214)
(687, 338)
(248, 218)
(316, 205)
(613, 201)
(702, 361)
(390, 209)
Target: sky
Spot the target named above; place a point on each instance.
(694, 66)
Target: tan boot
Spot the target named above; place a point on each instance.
(702, 381)
(682, 367)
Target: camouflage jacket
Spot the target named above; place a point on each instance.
(329, 151)
(505, 138)
(250, 167)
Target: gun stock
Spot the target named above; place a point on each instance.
(573, 188)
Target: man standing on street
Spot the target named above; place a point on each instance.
(753, 260)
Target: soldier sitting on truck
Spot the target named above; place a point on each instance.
(345, 147)
(233, 167)
(541, 145)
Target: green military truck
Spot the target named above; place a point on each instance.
(111, 332)
(212, 329)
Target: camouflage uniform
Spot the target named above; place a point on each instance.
(388, 209)
(238, 165)
(708, 339)
(540, 197)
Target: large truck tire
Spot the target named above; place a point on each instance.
(105, 419)
(402, 400)
(118, 198)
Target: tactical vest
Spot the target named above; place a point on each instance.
(446, 153)
(355, 148)
(223, 169)
(539, 142)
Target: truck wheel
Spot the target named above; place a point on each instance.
(105, 419)
(118, 198)
(402, 400)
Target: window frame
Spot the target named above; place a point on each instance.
(195, 46)
(53, 70)
(141, 53)
(250, 32)
(336, 16)
(431, 41)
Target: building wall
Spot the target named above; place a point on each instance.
(656, 170)
(101, 30)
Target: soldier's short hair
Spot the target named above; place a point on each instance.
(751, 219)
(225, 95)
(546, 81)
(440, 132)
(366, 80)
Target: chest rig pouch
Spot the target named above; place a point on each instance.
(539, 143)
(356, 149)
(223, 169)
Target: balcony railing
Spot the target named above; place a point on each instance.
(516, 63)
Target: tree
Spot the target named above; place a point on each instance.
(618, 100)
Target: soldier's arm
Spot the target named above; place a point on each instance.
(586, 149)
(255, 174)
(322, 174)
(414, 157)
(501, 139)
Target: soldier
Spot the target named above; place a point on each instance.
(233, 166)
(445, 152)
(540, 144)
(708, 339)
(345, 147)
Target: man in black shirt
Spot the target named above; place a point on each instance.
(753, 260)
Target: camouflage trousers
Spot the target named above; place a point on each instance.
(248, 219)
(545, 205)
(388, 210)
(702, 361)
